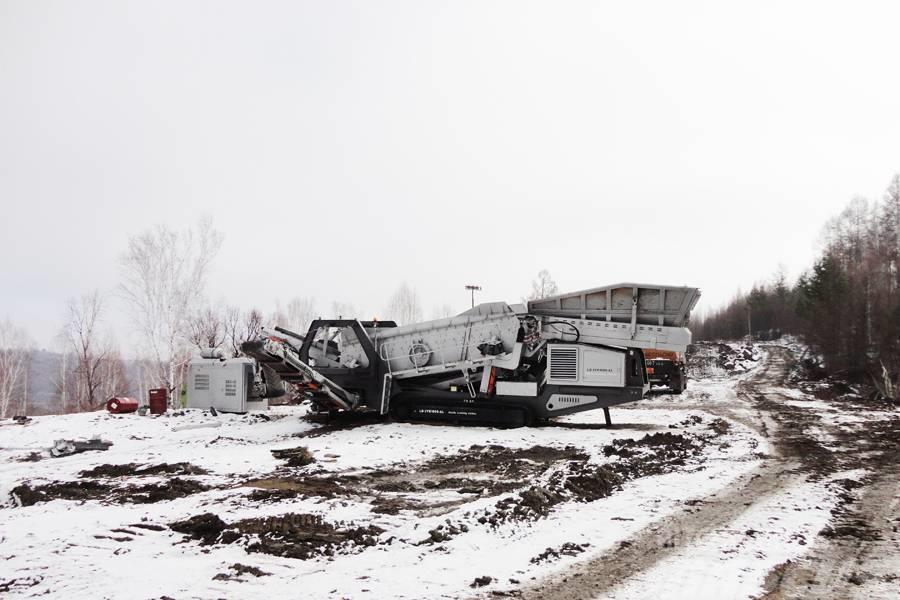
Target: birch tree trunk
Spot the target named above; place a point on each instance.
(164, 278)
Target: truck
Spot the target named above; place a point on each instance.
(496, 363)
(666, 368)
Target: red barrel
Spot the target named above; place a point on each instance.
(121, 405)
(159, 399)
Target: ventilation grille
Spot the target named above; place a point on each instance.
(230, 387)
(570, 400)
(564, 363)
(565, 401)
(201, 382)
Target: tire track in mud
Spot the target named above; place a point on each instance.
(856, 555)
(640, 552)
(841, 567)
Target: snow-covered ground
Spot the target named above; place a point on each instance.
(108, 547)
(56, 543)
(733, 561)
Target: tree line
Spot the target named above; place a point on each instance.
(163, 281)
(846, 306)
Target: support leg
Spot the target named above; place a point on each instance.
(606, 414)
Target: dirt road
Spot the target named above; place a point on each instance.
(854, 557)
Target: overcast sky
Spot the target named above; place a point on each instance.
(344, 147)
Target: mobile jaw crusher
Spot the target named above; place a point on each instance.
(496, 363)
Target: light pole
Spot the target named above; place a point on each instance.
(473, 288)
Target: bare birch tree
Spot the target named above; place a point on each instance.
(90, 349)
(232, 323)
(63, 380)
(252, 325)
(405, 306)
(207, 329)
(300, 312)
(241, 327)
(14, 353)
(113, 376)
(164, 277)
(543, 286)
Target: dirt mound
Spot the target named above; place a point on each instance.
(292, 535)
(582, 483)
(444, 532)
(237, 570)
(592, 482)
(713, 359)
(661, 443)
(304, 536)
(532, 503)
(157, 492)
(654, 454)
(719, 426)
(295, 457)
(502, 461)
(20, 583)
(148, 526)
(567, 549)
(70, 490)
(280, 488)
(489, 470)
(134, 470)
(206, 527)
(856, 529)
(27, 495)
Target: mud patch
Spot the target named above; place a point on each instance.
(392, 505)
(483, 470)
(27, 495)
(19, 583)
(551, 554)
(134, 470)
(300, 536)
(444, 532)
(281, 488)
(304, 536)
(148, 526)
(846, 521)
(856, 529)
(654, 454)
(206, 527)
(237, 571)
(719, 426)
(295, 457)
(502, 461)
(587, 483)
(710, 359)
